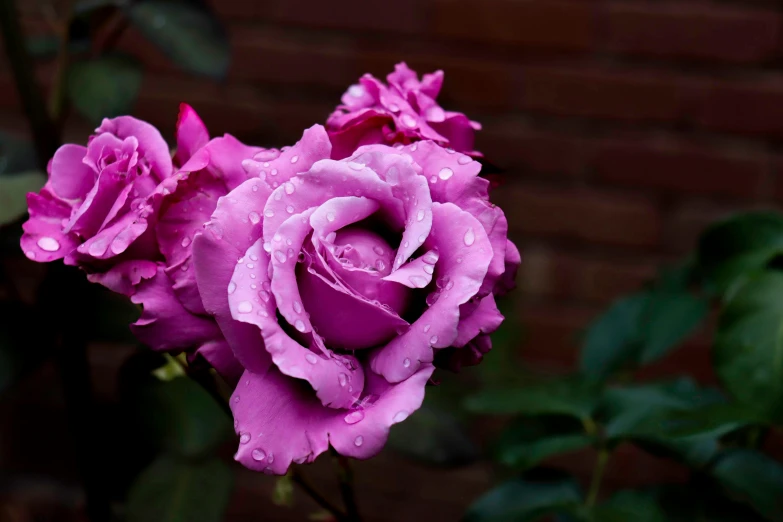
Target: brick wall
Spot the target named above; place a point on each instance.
(626, 126)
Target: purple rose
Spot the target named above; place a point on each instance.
(404, 111)
(335, 283)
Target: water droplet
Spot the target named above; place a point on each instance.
(464, 160)
(297, 307)
(280, 256)
(289, 209)
(278, 195)
(300, 460)
(254, 217)
(253, 257)
(311, 358)
(245, 307)
(433, 179)
(270, 458)
(299, 325)
(356, 90)
(269, 212)
(342, 379)
(267, 246)
(294, 159)
(394, 107)
(236, 398)
(433, 339)
(244, 438)
(49, 244)
(289, 188)
(232, 286)
(263, 294)
(277, 237)
(255, 188)
(355, 166)
(459, 259)
(358, 441)
(251, 266)
(445, 173)
(408, 120)
(257, 454)
(449, 285)
(406, 362)
(274, 173)
(470, 237)
(330, 216)
(429, 269)
(380, 265)
(185, 242)
(422, 238)
(418, 281)
(354, 417)
(420, 215)
(30, 254)
(378, 250)
(427, 328)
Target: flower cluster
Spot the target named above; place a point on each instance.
(326, 280)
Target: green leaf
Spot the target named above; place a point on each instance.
(611, 340)
(283, 494)
(172, 490)
(753, 478)
(13, 194)
(433, 436)
(186, 32)
(715, 420)
(104, 87)
(627, 506)
(525, 499)
(529, 440)
(739, 245)
(668, 318)
(748, 352)
(180, 416)
(640, 413)
(566, 396)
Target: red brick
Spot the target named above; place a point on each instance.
(680, 30)
(603, 93)
(550, 273)
(551, 333)
(532, 152)
(751, 107)
(534, 23)
(580, 214)
(407, 16)
(670, 165)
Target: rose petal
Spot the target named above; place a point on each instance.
(70, 178)
(416, 274)
(165, 324)
(313, 146)
(465, 253)
(219, 355)
(337, 380)
(225, 238)
(191, 133)
(482, 317)
(280, 423)
(512, 260)
(152, 146)
(43, 239)
(125, 276)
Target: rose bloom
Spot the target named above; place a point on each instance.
(403, 111)
(335, 284)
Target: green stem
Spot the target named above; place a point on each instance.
(345, 476)
(319, 499)
(45, 134)
(57, 95)
(598, 475)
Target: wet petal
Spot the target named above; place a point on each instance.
(70, 178)
(191, 133)
(416, 274)
(225, 238)
(125, 276)
(152, 146)
(281, 423)
(481, 317)
(465, 253)
(226, 156)
(43, 239)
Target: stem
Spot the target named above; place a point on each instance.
(45, 134)
(598, 474)
(345, 476)
(57, 96)
(319, 499)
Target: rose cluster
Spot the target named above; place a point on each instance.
(326, 280)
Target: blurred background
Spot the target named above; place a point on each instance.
(623, 129)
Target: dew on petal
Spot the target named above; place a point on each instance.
(380, 265)
(418, 281)
(429, 269)
(354, 417)
(49, 244)
(254, 217)
(408, 120)
(299, 325)
(470, 237)
(289, 188)
(289, 209)
(427, 328)
(263, 294)
(311, 358)
(400, 416)
(422, 238)
(294, 159)
(185, 242)
(297, 307)
(464, 160)
(420, 215)
(378, 250)
(356, 90)
(358, 441)
(244, 438)
(258, 455)
(270, 458)
(232, 286)
(342, 379)
(445, 173)
(245, 307)
(330, 216)
(269, 212)
(280, 256)
(433, 339)
(406, 362)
